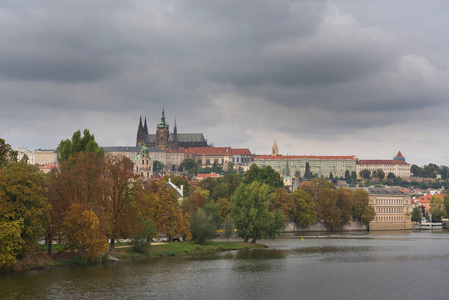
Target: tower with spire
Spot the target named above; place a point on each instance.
(141, 133)
(275, 149)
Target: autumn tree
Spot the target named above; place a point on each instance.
(303, 212)
(7, 154)
(122, 185)
(82, 232)
(24, 206)
(327, 209)
(250, 212)
(343, 198)
(78, 143)
(282, 200)
(225, 207)
(160, 204)
(197, 199)
(361, 209)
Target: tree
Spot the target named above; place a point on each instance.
(446, 205)
(343, 199)
(121, 187)
(141, 240)
(225, 207)
(24, 206)
(7, 154)
(331, 176)
(327, 209)
(436, 209)
(365, 174)
(82, 230)
(212, 209)
(158, 166)
(189, 165)
(361, 209)
(303, 208)
(391, 176)
(282, 200)
(347, 175)
(416, 215)
(354, 175)
(197, 199)
(265, 175)
(78, 143)
(250, 212)
(202, 227)
(228, 228)
(230, 168)
(380, 174)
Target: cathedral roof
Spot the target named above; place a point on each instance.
(284, 157)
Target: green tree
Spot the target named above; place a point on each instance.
(303, 208)
(380, 174)
(365, 174)
(343, 198)
(331, 176)
(436, 209)
(141, 240)
(354, 175)
(446, 205)
(347, 175)
(202, 227)
(212, 209)
(416, 215)
(249, 209)
(6, 153)
(78, 143)
(21, 188)
(361, 209)
(228, 227)
(230, 168)
(391, 176)
(158, 166)
(189, 165)
(265, 175)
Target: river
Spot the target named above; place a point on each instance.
(374, 265)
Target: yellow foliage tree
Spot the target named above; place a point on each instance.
(82, 229)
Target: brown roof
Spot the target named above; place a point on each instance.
(209, 150)
(381, 162)
(240, 152)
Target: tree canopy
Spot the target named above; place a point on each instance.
(78, 143)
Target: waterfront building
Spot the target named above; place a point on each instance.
(398, 166)
(392, 207)
(166, 140)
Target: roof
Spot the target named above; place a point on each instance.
(427, 197)
(240, 152)
(187, 137)
(385, 191)
(381, 162)
(209, 150)
(121, 149)
(282, 157)
(399, 154)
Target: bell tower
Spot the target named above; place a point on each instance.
(275, 149)
(162, 133)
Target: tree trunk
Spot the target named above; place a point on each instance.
(246, 240)
(49, 240)
(112, 246)
(253, 241)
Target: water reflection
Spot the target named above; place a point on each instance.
(331, 266)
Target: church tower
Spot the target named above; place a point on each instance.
(275, 149)
(141, 133)
(162, 133)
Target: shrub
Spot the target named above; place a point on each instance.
(202, 227)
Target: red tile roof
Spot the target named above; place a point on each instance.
(209, 150)
(272, 157)
(399, 154)
(240, 152)
(381, 162)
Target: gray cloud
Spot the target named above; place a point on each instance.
(242, 72)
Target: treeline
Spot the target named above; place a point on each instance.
(93, 199)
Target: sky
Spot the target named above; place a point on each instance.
(346, 77)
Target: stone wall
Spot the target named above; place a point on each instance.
(319, 227)
(390, 226)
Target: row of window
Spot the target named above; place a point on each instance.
(389, 219)
(389, 209)
(390, 201)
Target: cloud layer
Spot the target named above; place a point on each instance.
(320, 77)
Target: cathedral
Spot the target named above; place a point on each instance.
(165, 140)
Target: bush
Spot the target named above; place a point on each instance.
(202, 227)
(141, 242)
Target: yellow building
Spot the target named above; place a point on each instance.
(392, 208)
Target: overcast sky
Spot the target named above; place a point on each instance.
(347, 77)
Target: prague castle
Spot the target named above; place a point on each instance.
(165, 140)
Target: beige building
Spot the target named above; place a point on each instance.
(43, 157)
(392, 208)
(143, 164)
(397, 166)
(209, 156)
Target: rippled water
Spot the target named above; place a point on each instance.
(387, 265)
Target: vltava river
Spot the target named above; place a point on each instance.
(375, 265)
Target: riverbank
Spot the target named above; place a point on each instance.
(124, 252)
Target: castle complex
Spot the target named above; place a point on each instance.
(165, 140)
